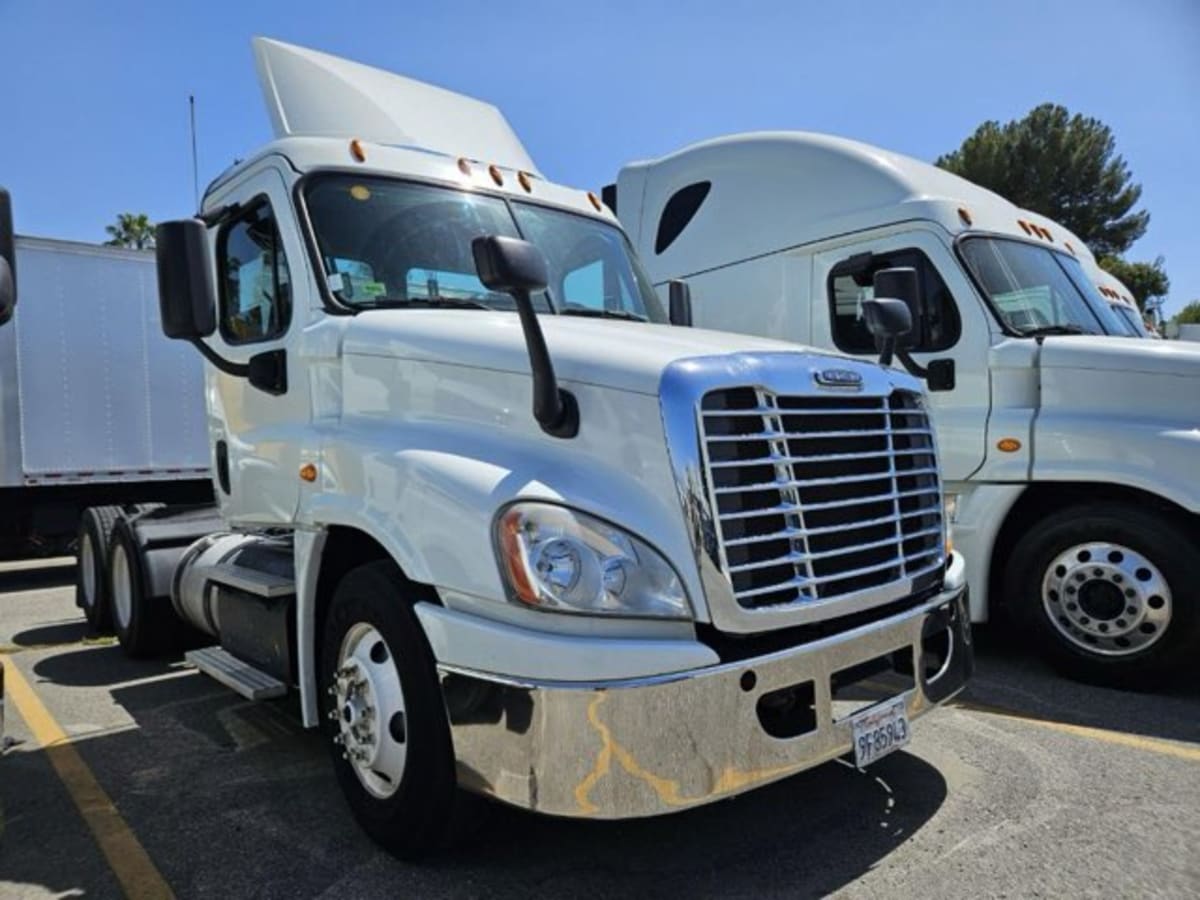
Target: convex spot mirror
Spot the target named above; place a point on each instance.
(8, 260)
(186, 296)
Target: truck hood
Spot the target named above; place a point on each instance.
(627, 356)
(1121, 354)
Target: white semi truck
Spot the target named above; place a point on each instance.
(505, 529)
(1071, 457)
(97, 407)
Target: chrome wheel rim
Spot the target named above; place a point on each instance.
(1106, 598)
(368, 707)
(122, 587)
(87, 571)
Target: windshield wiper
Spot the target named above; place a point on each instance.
(1053, 329)
(603, 314)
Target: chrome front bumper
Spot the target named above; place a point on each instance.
(656, 745)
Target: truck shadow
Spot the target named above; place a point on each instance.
(217, 788)
(53, 573)
(1011, 680)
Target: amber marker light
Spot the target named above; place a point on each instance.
(357, 151)
(308, 472)
(1008, 445)
(964, 215)
(513, 558)
(497, 175)
(464, 166)
(1024, 226)
(595, 201)
(525, 181)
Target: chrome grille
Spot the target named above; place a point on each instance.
(819, 497)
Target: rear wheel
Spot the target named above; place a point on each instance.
(1108, 589)
(145, 625)
(91, 575)
(384, 717)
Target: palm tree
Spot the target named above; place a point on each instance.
(131, 230)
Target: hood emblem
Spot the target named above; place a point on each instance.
(838, 378)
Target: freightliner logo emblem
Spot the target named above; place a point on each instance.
(843, 378)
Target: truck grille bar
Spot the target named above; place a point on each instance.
(820, 497)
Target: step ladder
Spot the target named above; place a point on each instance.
(251, 683)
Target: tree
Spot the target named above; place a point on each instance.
(1061, 166)
(1189, 315)
(131, 230)
(1144, 280)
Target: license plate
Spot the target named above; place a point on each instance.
(879, 730)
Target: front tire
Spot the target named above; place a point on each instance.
(1108, 591)
(384, 718)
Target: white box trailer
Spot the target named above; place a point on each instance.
(96, 406)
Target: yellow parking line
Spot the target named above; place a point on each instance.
(1120, 738)
(127, 858)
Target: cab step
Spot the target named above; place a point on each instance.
(252, 581)
(251, 683)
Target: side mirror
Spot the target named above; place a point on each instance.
(901, 284)
(887, 319)
(681, 303)
(510, 265)
(186, 297)
(518, 268)
(8, 260)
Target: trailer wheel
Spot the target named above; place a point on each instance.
(384, 718)
(91, 573)
(1108, 591)
(145, 626)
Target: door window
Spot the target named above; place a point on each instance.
(938, 327)
(255, 284)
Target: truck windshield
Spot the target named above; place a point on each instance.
(390, 243)
(1135, 327)
(1036, 290)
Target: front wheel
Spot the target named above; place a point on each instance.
(1108, 590)
(384, 717)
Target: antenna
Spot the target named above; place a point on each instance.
(195, 166)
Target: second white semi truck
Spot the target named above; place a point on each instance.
(1071, 456)
(506, 529)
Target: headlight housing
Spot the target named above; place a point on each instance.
(554, 558)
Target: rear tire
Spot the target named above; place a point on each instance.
(91, 569)
(145, 626)
(395, 764)
(1108, 592)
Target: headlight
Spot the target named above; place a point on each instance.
(554, 558)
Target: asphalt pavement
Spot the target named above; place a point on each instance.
(144, 778)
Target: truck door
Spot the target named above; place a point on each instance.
(262, 300)
(955, 326)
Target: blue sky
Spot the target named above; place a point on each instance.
(95, 105)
